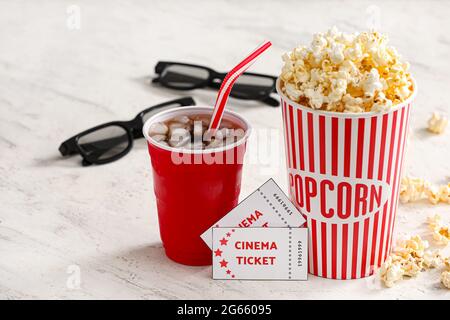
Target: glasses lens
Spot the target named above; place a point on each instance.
(184, 77)
(248, 86)
(104, 143)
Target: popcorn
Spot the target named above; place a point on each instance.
(346, 73)
(407, 259)
(437, 123)
(412, 256)
(447, 263)
(434, 222)
(414, 244)
(372, 83)
(391, 272)
(412, 267)
(412, 189)
(445, 279)
(436, 194)
(432, 259)
(441, 234)
(381, 103)
(416, 189)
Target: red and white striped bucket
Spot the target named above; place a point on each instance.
(344, 175)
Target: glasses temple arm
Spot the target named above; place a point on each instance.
(271, 101)
(68, 147)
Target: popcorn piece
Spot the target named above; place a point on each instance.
(432, 193)
(437, 123)
(412, 267)
(439, 194)
(432, 259)
(414, 244)
(346, 73)
(391, 272)
(409, 258)
(447, 263)
(442, 236)
(381, 103)
(441, 233)
(434, 222)
(412, 189)
(416, 189)
(372, 83)
(445, 279)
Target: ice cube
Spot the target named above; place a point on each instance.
(215, 143)
(212, 134)
(198, 130)
(197, 145)
(225, 132)
(158, 128)
(159, 137)
(182, 119)
(179, 137)
(239, 133)
(176, 125)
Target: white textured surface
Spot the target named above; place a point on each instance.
(55, 82)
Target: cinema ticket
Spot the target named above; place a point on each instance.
(260, 253)
(268, 206)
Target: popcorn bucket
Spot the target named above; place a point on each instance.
(344, 172)
(194, 188)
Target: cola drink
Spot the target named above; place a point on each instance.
(191, 195)
(191, 132)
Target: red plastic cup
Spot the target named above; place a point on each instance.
(194, 188)
(344, 173)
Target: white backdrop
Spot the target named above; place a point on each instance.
(73, 232)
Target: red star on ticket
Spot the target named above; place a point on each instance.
(223, 242)
(218, 253)
(223, 263)
(228, 234)
(228, 271)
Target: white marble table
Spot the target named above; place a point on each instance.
(60, 222)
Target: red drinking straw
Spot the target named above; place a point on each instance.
(229, 81)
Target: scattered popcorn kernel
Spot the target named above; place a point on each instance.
(442, 236)
(414, 245)
(412, 266)
(447, 263)
(346, 73)
(432, 259)
(405, 260)
(445, 279)
(444, 193)
(416, 189)
(434, 221)
(412, 256)
(437, 123)
(409, 258)
(412, 189)
(441, 233)
(391, 272)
